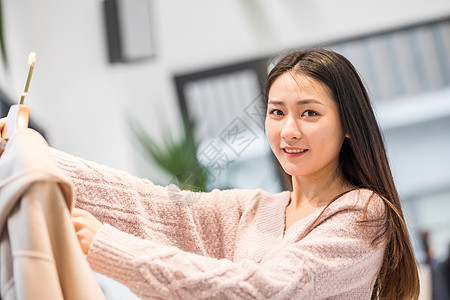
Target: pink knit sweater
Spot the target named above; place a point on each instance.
(231, 244)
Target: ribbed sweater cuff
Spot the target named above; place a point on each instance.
(113, 254)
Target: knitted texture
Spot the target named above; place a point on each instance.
(231, 244)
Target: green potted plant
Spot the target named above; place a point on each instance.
(178, 158)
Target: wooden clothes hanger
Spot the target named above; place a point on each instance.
(19, 114)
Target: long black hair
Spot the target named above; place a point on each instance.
(363, 161)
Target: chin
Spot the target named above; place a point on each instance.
(293, 171)
(295, 174)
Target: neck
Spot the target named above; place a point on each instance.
(317, 190)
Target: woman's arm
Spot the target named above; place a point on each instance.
(335, 259)
(203, 223)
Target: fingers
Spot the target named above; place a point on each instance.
(2, 145)
(78, 219)
(2, 141)
(77, 223)
(2, 123)
(86, 226)
(85, 243)
(76, 212)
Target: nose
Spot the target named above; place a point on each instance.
(291, 130)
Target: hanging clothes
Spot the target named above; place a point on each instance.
(40, 257)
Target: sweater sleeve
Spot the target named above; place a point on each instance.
(335, 258)
(203, 223)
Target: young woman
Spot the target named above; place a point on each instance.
(339, 233)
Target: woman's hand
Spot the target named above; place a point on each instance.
(86, 226)
(2, 141)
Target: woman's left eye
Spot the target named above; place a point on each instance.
(309, 113)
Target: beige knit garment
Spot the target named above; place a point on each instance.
(40, 257)
(231, 244)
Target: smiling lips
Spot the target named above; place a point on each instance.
(294, 151)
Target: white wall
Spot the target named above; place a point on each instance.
(80, 100)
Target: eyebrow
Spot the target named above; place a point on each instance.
(300, 102)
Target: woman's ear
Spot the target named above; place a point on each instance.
(347, 135)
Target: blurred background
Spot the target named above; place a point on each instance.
(171, 90)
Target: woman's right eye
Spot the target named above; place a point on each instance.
(276, 112)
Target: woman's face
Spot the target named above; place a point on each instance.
(303, 126)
